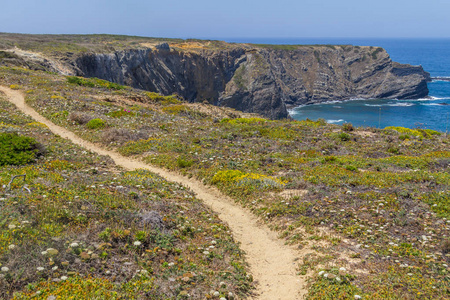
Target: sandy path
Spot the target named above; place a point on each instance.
(272, 263)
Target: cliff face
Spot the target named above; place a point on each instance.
(261, 80)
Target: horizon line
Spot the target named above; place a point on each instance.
(234, 37)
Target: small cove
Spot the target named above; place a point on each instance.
(434, 113)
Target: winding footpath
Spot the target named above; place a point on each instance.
(272, 263)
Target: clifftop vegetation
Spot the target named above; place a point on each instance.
(107, 43)
(78, 226)
(372, 203)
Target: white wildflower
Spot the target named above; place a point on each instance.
(11, 226)
(12, 246)
(74, 245)
(358, 297)
(5, 269)
(55, 268)
(137, 243)
(40, 269)
(64, 277)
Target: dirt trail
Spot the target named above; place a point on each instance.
(272, 263)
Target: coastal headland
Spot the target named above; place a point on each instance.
(254, 78)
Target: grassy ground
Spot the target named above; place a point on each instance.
(98, 43)
(373, 203)
(78, 227)
(107, 43)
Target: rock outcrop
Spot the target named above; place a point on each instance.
(259, 79)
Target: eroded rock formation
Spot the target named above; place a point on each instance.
(260, 79)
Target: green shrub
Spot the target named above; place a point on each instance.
(344, 136)
(244, 121)
(95, 124)
(155, 97)
(351, 168)
(347, 127)
(80, 81)
(176, 109)
(16, 149)
(394, 150)
(120, 113)
(94, 82)
(183, 163)
(329, 159)
(420, 133)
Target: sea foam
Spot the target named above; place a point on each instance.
(335, 121)
(400, 104)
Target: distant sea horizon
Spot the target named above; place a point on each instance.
(433, 54)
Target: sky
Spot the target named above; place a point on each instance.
(230, 18)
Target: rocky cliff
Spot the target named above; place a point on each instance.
(262, 79)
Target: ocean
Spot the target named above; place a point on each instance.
(432, 54)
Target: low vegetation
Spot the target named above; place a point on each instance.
(373, 204)
(94, 82)
(79, 227)
(16, 149)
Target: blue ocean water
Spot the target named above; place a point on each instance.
(432, 54)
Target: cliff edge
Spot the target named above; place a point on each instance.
(263, 79)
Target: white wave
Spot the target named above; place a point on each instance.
(374, 105)
(330, 102)
(358, 99)
(335, 121)
(337, 106)
(428, 98)
(441, 79)
(401, 104)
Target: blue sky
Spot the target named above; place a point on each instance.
(230, 18)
